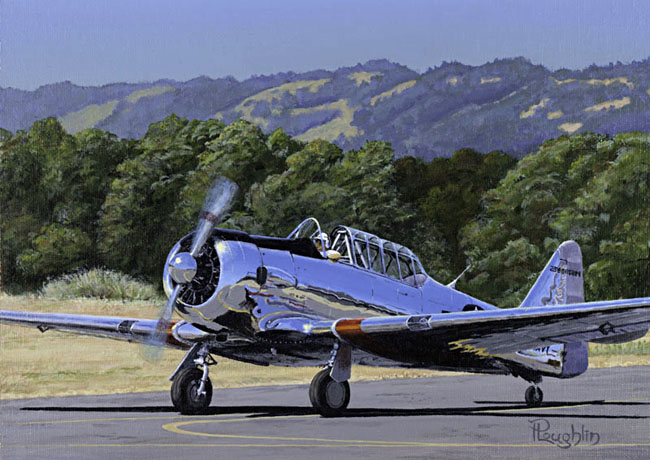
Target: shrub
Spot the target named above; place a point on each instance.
(99, 283)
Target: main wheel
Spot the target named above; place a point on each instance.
(534, 396)
(328, 396)
(185, 392)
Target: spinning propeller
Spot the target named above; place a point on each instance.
(183, 266)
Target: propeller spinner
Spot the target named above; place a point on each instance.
(183, 266)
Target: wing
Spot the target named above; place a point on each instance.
(418, 338)
(179, 334)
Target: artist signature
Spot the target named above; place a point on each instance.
(563, 439)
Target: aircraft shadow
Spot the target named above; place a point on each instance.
(502, 409)
(490, 409)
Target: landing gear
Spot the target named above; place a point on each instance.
(328, 396)
(187, 396)
(191, 388)
(534, 396)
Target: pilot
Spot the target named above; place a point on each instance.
(332, 255)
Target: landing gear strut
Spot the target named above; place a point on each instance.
(534, 396)
(191, 390)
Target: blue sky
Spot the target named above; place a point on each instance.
(91, 42)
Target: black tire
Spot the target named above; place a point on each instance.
(184, 392)
(328, 397)
(534, 396)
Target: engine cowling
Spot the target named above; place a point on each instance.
(203, 284)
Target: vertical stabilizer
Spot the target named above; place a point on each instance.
(561, 280)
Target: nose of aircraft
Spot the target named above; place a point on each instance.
(182, 267)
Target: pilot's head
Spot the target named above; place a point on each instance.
(322, 236)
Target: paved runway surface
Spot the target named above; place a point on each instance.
(606, 412)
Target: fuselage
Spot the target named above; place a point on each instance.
(302, 287)
(303, 283)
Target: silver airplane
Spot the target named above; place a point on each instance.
(349, 297)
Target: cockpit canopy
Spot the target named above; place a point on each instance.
(364, 250)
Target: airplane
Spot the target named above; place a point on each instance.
(350, 297)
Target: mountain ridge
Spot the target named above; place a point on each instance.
(508, 104)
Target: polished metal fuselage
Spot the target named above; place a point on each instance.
(299, 291)
(301, 286)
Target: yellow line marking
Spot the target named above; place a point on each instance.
(175, 428)
(113, 419)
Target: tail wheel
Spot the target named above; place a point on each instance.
(328, 396)
(534, 396)
(185, 392)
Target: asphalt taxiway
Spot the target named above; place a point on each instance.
(604, 413)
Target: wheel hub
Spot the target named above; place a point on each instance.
(335, 394)
(193, 392)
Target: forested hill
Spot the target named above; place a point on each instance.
(509, 105)
(69, 202)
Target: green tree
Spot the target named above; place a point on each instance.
(138, 224)
(31, 184)
(447, 192)
(611, 218)
(283, 199)
(57, 249)
(244, 154)
(589, 188)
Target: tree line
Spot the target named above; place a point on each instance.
(69, 202)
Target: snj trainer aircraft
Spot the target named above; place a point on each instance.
(301, 301)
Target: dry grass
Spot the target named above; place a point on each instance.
(490, 80)
(570, 128)
(87, 117)
(157, 90)
(393, 91)
(333, 129)
(613, 104)
(533, 108)
(363, 77)
(270, 95)
(33, 364)
(597, 82)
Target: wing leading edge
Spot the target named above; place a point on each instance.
(415, 338)
(179, 335)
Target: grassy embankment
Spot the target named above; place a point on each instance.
(36, 364)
